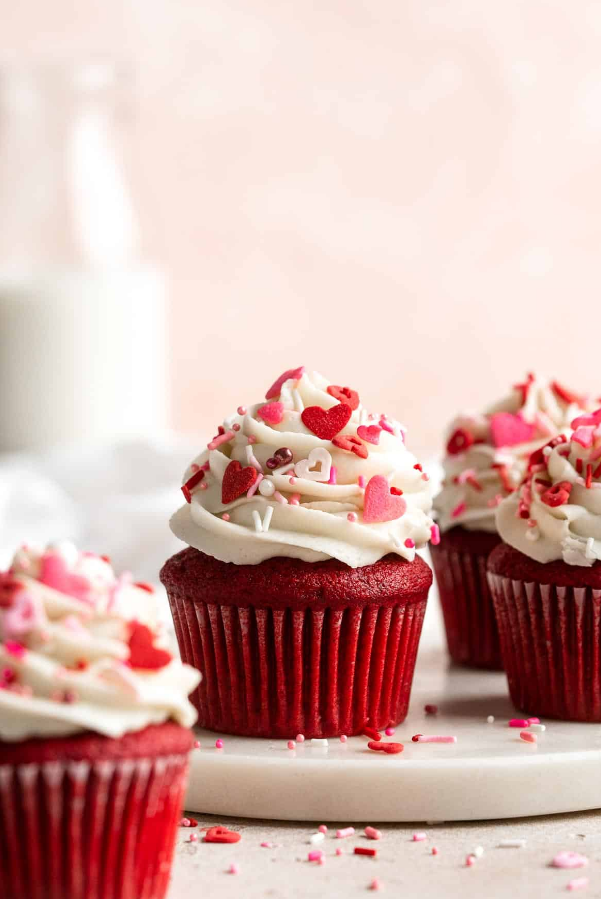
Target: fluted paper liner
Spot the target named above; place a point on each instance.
(89, 830)
(467, 607)
(551, 645)
(317, 671)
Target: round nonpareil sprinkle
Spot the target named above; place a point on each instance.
(196, 744)
(490, 719)
(343, 738)
(389, 731)
(193, 838)
(409, 543)
(434, 850)
(291, 744)
(241, 410)
(375, 884)
(323, 828)
(470, 861)
(339, 850)
(352, 517)
(225, 516)
(233, 869)
(478, 851)
(218, 744)
(300, 738)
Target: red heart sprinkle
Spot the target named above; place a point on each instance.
(388, 748)
(558, 494)
(293, 374)
(221, 835)
(371, 433)
(142, 651)
(351, 445)
(326, 423)
(379, 503)
(507, 429)
(345, 395)
(236, 481)
(459, 442)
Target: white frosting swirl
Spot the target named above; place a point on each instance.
(498, 443)
(306, 518)
(68, 660)
(556, 513)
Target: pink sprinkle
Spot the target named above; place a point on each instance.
(225, 516)
(196, 744)
(300, 738)
(323, 828)
(470, 861)
(528, 737)
(343, 738)
(332, 475)
(352, 517)
(435, 739)
(185, 822)
(389, 731)
(193, 838)
(435, 535)
(222, 438)
(409, 543)
(233, 869)
(295, 499)
(518, 722)
(345, 832)
(533, 721)
(266, 845)
(579, 883)
(292, 482)
(568, 859)
(281, 499)
(315, 855)
(375, 884)
(339, 850)
(203, 485)
(458, 510)
(434, 850)
(241, 410)
(386, 426)
(583, 436)
(373, 834)
(322, 860)
(193, 468)
(254, 486)
(252, 439)
(218, 744)
(206, 466)
(236, 427)
(15, 649)
(361, 481)
(420, 836)
(291, 744)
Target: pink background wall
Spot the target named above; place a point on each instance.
(404, 194)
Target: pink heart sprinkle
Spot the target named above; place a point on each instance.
(510, 430)
(583, 436)
(272, 413)
(379, 503)
(293, 374)
(370, 433)
(593, 419)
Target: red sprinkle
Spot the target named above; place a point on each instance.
(351, 445)
(191, 483)
(416, 737)
(222, 835)
(579, 465)
(589, 475)
(389, 748)
(430, 709)
(558, 494)
(363, 850)
(372, 733)
(142, 585)
(459, 442)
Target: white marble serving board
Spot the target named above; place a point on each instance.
(489, 773)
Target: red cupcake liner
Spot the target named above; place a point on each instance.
(467, 607)
(320, 672)
(551, 644)
(89, 829)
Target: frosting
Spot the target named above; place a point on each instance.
(310, 474)
(487, 453)
(556, 513)
(81, 650)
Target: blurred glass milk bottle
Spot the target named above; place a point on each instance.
(82, 315)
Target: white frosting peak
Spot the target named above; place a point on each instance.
(80, 650)
(487, 452)
(322, 502)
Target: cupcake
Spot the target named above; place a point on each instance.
(545, 578)
(486, 458)
(300, 596)
(94, 731)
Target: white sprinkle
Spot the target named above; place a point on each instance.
(298, 403)
(533, 533)
(490, 719)
(547, 450)
(250, 458)
(394, 540)
(267, 518)
(539, 727)
(257, 521)
(317, 837)
(319, 742)
(266, 487)
(512, 844)
(284, 469)
(478, 851)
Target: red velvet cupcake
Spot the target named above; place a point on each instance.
(486, 457)
(94, 732)
(301, 598)
(546, 579)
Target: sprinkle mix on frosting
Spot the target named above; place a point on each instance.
(487, 454)
(556, 513)
(80, 650)
(308, 473)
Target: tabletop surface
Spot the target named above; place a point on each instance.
(402, 866)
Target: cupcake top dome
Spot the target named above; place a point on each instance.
(487, 453)
(556, 513)
(306, 473)
(81, 650)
